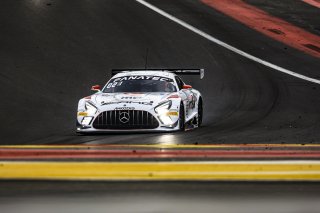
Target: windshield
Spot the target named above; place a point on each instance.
(140, 83)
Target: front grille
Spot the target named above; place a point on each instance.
(125, 119)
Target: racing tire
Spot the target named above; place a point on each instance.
(182, 124)
(200, 112)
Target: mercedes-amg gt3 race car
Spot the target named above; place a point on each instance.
(142, 100)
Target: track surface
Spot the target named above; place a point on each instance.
(53, 51)
(298, 13)
(150, 197)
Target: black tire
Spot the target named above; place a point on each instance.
(200, 112)
(182, 118)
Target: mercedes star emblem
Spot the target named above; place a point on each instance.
(124, 117)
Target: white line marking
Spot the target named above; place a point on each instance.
(242, 162)
(225, 45)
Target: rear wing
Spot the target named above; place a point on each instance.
(199, 72)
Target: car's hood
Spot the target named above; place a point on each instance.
(151, 98)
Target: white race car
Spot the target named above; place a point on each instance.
(142, 100)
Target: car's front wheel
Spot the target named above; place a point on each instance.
(200, 112)
(181, 118)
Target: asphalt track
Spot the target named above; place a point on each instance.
(146, 197)
(52, 51)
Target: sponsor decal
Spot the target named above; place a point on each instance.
(124, 108)
(130, 97)
(192, 100)
(118, 81)
(142, 77)
(128, 102)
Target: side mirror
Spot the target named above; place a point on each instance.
(96, 88)
(186, 86)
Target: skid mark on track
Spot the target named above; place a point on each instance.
(225, 45)
(315, 3)
(270, 26)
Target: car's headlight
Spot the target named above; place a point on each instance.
(86, 120)
(90, 108)
(163, 111)
(163, 108)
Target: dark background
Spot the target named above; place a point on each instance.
(53, 51)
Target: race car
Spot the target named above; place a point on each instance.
(142, 100)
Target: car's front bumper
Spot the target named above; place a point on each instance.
(139, 121)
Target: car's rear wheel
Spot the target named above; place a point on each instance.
(200, 112)
(181, 118)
